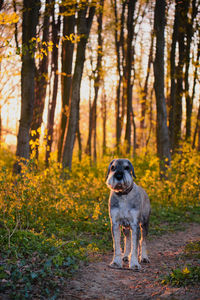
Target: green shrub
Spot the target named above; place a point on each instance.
(49, 222)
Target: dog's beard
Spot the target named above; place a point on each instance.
(119, 185)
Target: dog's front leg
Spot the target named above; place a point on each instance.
(127, 244)
(133, 260)
(117, 258)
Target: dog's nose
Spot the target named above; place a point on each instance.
(119, 175)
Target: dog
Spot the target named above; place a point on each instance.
(129, 208)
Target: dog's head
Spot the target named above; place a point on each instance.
(120, 175)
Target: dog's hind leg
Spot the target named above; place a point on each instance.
(127, 244)
(143, 248)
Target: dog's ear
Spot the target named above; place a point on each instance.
(109, 168)
(132, 170)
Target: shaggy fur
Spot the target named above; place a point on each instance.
(129, 208)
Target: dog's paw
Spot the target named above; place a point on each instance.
(114, 265)
(145, 260)
(125, 259)
(135, 266)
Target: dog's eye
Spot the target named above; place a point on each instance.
(113, 168)
(127, 168)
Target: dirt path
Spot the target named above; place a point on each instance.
(98, 281)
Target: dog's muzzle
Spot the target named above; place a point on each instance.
(119, 175)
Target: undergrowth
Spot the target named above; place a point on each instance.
(190, 273)
(49, 222)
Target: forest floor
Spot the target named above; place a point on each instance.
(97, 281)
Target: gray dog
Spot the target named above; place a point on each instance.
(129, 207)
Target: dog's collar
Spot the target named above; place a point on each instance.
(126, 192)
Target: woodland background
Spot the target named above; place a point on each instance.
(103, 75)
(83, 82)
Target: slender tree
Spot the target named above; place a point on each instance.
(29, 23)
(163, 145)
(183, 7)
(52, 102)
(88, 149)
(188, 97)
(145, 88)
(128, 72)
(98, 77)
(120, 55)
(69, 11)
(41, 81)
(172, 72)
(84, 22)
(104, 120)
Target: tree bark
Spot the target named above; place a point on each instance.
(177, 112)
(98, 78)
(128, 72)
(189, 99)
(120, 55)
(145, 89)
(41, 81)
(52, 104)
(1, 4)
(66, 77)
(104, 119)
(83, 28)
(88, 149)
(197, 129)
(172, 73)
(163, 147)
(29, 23)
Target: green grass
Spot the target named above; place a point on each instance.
(49, 224)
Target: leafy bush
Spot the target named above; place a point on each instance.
(49, 221)
(183, 277)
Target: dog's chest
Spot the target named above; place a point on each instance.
(123, 211)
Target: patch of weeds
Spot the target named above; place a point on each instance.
(36, 265)
(189, 275)
(183, 277)
(192, 250)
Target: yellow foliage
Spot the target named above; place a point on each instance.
(10, 18)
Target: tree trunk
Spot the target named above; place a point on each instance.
(0, 127)
(128, 72)
(145, 89)
(163, 147)
(119, 49)
(172, 73)
(134, 132)
(104, 119)
(41, 81)
(83, 28)
(197, 129)
(177, 113)
(98, 78)
(52, 103)
(1, 4)
(29, 23)
(78, 134)
(66, 77)
(88, 149)
(189, 99)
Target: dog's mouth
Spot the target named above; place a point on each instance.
(119, 186)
